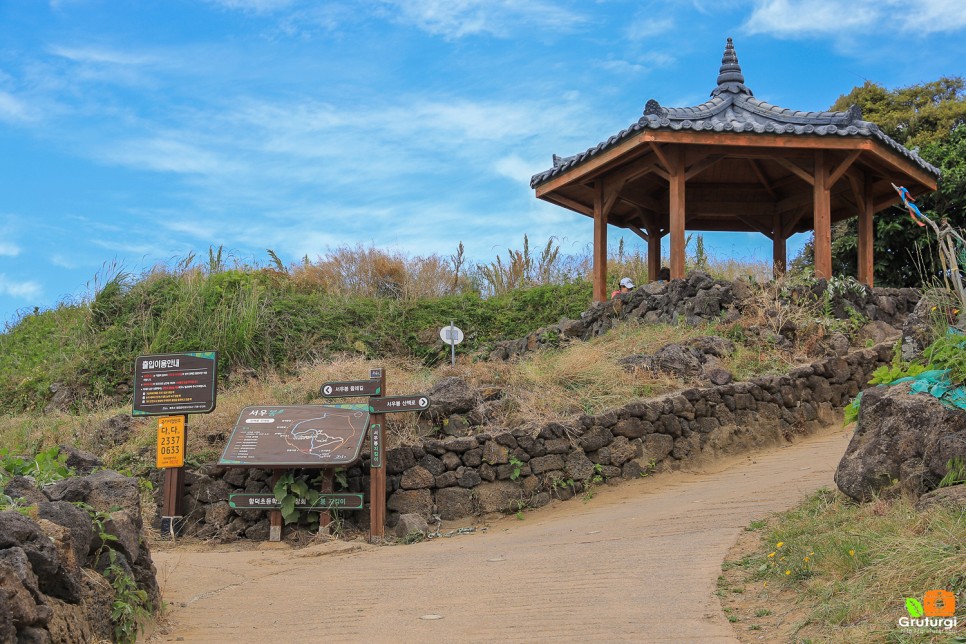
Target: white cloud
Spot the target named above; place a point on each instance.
(13, 109)
(167, 155)
(515, 168)
(9, 250)
(644, 63)
(103, 56)
(22, 290)
(253, 6)
(841, 18)
(642, 28)
(457, 18)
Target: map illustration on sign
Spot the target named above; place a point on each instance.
(297, 436)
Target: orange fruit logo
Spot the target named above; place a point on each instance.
(939, 603)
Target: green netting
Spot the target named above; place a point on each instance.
(936, 383)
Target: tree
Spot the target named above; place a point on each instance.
(932, 117)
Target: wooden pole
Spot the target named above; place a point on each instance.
(822, 218)
(677, 209)
(653, 253)
(328, 484)
(172, 494)
(600, 245)
(778, 246)
(866, 268)
(275, 516)
(377, 475)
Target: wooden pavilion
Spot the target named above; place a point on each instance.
(735, 163)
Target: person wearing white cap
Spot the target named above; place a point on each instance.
(626, 284)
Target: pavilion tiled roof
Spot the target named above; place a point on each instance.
(733, 108)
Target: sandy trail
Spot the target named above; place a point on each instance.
(638, 562)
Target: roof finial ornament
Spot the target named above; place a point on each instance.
(730, 78)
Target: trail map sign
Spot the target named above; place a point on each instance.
(297, 436)
(178, 383)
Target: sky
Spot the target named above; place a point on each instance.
(135, 132)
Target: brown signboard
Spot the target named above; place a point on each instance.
(392, 404)
(297, 436)
(351, 388)
(176, 383)
(258, 501)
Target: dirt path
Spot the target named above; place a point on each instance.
(637, 563)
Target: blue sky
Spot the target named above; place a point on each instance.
(137, 132)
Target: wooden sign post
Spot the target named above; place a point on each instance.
(377, 472)
(171, 386)
(379, 405)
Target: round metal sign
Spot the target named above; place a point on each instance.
(451, 334)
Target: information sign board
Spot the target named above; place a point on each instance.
(176, 383)
(339, 501)
(392, 404)
(171, 435)
(297, 436)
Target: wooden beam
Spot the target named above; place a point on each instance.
(792, 222)
(762, 179)
(866, 233)
(794, 169)
(659, 153)
(600, 245)
(637, 231)
(822, 218)
(755, 140)
(840, 169)
(570, 204)
(700, 166)
(756, 225)
(857, 185)
(677, 210)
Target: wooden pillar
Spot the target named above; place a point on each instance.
(653, 253)
(677, 210)
(377, 475)
(778, 246)
(866, 236)
(822, 218)
(600, 245)
(328, 486)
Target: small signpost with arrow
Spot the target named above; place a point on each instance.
(379, 404)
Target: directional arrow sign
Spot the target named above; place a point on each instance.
(392, 404)
(350, 388)
(347, 501)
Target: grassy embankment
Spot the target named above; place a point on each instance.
(282, 331)
(832, 570)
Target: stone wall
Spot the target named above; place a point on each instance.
(497, 470)
(52, 557)
(700, 299)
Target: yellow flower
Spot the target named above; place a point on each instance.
(933, 308)
(788, 572)
(766, 585)
(771, 554)
(851, 553)
(779, 544)
(806, 559)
